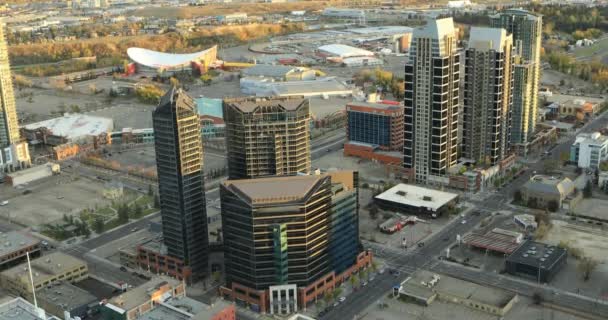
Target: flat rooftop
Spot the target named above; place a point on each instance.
(14, 241)
(138, 295)
(65, 295)
(310, 87)
(47, 266)
(274, 189)
(185, 308)
(534, 253)
(74, 126)
(20, 309)
(455, 287)
(415, 196)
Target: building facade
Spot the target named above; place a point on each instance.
(267, 136)
(47, 270)
(487, 95)
(179, 162)
(276, 230)
(16, 245)
(546, 191)
(589, 150)
(526, 29)
(9, 126)
(375, 123)
(431, 102)
(284, 235)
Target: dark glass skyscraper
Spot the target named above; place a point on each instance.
(179, 162)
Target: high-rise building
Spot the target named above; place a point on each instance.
(267, 136)
(14, 153)
(488, 82)
(289, 239)
(526, 29)
(431, 102)
(9, 127)
(276, 230)
(179, 162)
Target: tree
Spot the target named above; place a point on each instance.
(586, 266)
(327, 298)
(588, 190)
(564, 157)
(549, 165)
(354, 280)
(532, 203)
(156, 202)
(337, 292)
(373, 212)
(86, 232)
(517, 196)
(123, 213)
(150, 191)
(216, 276)
(537, 298)
(174, 82)
(98, 225)
(138, 211)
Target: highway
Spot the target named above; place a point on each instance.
(425, 257)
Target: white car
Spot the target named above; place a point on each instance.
(464, 222)
(342, 299)
(3, 203)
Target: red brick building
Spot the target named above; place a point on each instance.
(152, 256)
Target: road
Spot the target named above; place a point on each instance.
(425, 257)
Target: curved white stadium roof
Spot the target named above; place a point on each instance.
(155, 59)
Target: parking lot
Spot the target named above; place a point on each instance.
(50, 198)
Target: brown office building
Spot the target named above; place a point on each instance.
(267, 136)
(295, 235)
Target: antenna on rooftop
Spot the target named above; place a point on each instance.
(41, 313)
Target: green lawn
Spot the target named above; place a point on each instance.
(600, 48)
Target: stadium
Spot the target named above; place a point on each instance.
(168, 64)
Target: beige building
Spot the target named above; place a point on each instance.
(46, 271)
(267, 136)
(487, 95)
(9, 127)
(424, 287)
(541, 190)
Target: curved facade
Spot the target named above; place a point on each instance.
(172, 61)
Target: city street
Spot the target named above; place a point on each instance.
(425, 257)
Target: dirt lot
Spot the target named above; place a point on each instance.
(50, 198)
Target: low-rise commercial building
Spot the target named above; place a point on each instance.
(184, 308)
(140, 300)
(414, 200)
(15, 245)
(279, 72)
(46, 270)
(497, 240)
(424, 287)
(76, 127)
(589, 150)
(63, 297)
(14, 157)
(580, 108)
(546, 191)
(32, 174)
(535, 260)
(20, 309)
